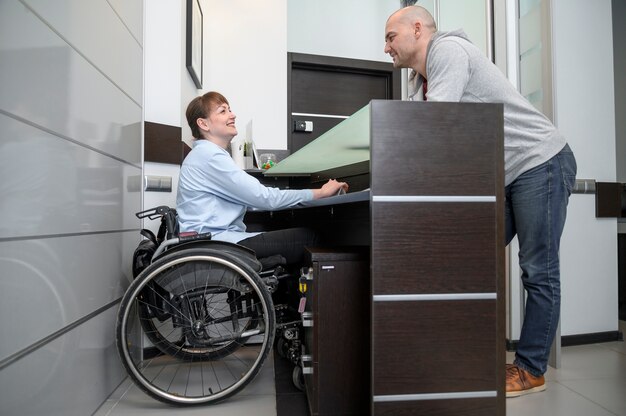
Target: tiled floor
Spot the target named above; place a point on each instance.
(258, 398)
(590, 382)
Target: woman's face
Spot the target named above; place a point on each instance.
(221, 122)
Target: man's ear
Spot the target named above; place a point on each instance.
(417, 28)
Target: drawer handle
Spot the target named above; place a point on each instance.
(305, 368)
(307, 319)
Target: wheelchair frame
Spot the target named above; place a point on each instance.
(206, 308)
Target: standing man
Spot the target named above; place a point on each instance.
(539, 169)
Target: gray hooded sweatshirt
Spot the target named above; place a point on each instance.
(457, 71)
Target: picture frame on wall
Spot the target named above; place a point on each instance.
(194, 41)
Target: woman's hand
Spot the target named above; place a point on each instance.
(330, 188)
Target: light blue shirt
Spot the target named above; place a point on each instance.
(214, 194)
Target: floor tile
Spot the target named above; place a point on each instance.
(556, 400)
(590, 362)
(106, 407)
(618, 346)
(121, 389)
(608, 393)
(263, 383)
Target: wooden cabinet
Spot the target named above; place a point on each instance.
(437, 210)
(336, 352)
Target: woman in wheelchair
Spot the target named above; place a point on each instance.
(197, 322)
(214, 193)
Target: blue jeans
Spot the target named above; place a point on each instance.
(535, 210)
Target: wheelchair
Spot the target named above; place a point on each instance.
(205, 310)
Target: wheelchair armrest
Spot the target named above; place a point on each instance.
(193, 236)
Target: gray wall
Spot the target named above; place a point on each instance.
(70, 145)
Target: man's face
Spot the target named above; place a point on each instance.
(400, 42)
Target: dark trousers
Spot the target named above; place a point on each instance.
(290, 243)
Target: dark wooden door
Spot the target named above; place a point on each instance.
(325, 90)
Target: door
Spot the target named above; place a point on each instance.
(325, 90)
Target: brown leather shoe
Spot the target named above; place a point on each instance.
(520, 382)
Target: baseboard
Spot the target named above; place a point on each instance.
(579, 339)
(593, 338)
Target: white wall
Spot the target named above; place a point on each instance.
(246, 60)
(344, 28)
(356, 28)
(585, 114)
(168, 86)
(163, 54)
(469, 15)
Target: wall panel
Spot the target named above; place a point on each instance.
(53, 186)
(64, 279)
(71, 77)
(131, 14)
(94, 30)
(48, 83)
(69, 376)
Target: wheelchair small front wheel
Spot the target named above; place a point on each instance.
(297, 377)
(210, 322)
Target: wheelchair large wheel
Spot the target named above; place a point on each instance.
(210, 319)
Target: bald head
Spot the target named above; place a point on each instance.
(411, 14)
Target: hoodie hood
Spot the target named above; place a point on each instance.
(415, 80)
